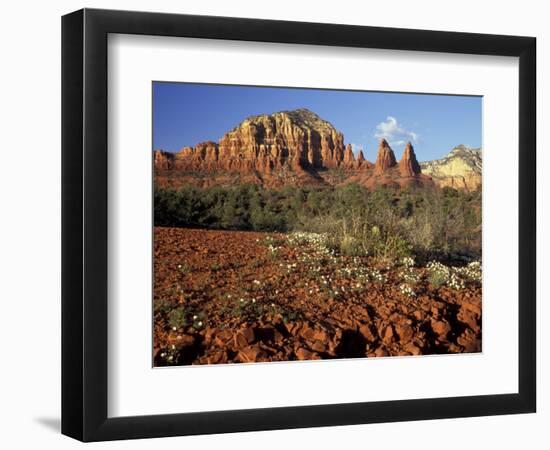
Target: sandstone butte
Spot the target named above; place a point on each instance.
(460, 169)
(290, 148)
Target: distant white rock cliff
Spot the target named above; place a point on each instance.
(460, 169)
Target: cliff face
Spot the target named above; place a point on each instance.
(297, 139)
(284, 148)
(460, 169)
(385, 158)
(408, 166)
(390, 173)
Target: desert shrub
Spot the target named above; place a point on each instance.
(162, 306)
(248, 309)
(177, 318)
(437, 279)
(388, 244)
(351, 246)
(385, 224)
(183, 316)
(266, 219)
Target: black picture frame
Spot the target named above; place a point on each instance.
(84, 224)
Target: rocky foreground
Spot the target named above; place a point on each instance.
(238, 297)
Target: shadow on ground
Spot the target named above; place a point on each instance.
(52, 423)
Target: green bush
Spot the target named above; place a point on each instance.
(386, 224)
(351, 246)
(437, 278)
(177, 318)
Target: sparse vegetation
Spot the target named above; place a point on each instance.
(279, 242)
(268, 308)
(313, 264)
(385, 224)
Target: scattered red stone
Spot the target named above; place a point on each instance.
(285, 314)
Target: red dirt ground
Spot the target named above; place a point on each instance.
(225, 296)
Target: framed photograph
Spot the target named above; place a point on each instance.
(273, 225)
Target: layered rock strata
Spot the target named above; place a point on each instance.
(285, 148)
(460, 169)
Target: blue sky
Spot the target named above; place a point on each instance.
(186, 114)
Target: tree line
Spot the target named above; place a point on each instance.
(383, 223)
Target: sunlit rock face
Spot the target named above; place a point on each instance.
(408, 166)
(299, 148)
(460, 169)
(385, 158)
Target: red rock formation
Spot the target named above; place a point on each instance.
(208, 151)
(288, 147)
(349, 157)
(361, 163)
(163, 160)
(297, 139)
(408, 166)
(388, 173)
(385, 157)
(296, 143)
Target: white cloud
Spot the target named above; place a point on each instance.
(394, 133)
